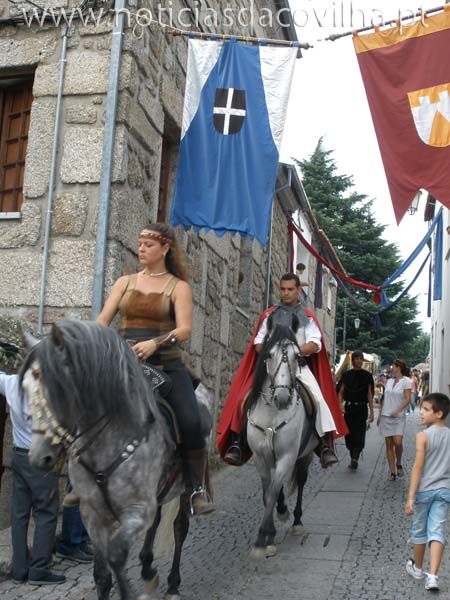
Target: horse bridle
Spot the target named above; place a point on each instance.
(284, 360)
(53, 431)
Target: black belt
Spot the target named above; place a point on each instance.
(20, 450)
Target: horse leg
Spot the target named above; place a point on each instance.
(148, 573)
(102, 574)
(282, 509)
(180, 529)
(131, 524)
(264, 545)
(302, 475)
(99, 531)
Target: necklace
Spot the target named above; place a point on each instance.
(154, 274)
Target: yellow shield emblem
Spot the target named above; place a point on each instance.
(431, 111)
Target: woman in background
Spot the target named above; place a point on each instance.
(392, 416)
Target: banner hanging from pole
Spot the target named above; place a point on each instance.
(406, 74)
(234, 111)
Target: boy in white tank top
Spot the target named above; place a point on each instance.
(429, 489)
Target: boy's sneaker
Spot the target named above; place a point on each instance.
(432, 583)
(412, 570)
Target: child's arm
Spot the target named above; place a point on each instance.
(416, 473)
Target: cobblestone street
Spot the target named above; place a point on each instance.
(354, 546)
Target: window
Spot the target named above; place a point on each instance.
(15, 107)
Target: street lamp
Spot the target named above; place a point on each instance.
(357, 323)
(415, 203)
(336, 329)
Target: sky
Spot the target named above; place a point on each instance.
(328, 99)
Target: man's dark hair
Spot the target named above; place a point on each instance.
(439, 402)
(300, 266)
(357, 354)
(290, 277)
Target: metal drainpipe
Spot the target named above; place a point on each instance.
(107, 159)
(51, 184)
(269, 255)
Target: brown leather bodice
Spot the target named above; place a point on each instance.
(147, 316)
(147, 311)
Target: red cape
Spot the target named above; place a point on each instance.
(231, 418)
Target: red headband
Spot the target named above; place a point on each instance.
(154, 236)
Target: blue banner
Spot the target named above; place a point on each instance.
(235, 106)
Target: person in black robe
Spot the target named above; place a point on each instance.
(356, 389)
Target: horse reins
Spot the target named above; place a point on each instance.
(284, 360)
(60, 435)
(270, 432)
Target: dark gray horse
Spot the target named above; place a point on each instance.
(279, 432)
(88, 395)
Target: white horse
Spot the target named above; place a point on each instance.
(279, 432)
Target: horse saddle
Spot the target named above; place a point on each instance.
(168, 414)
(158, 379)
(308, 401)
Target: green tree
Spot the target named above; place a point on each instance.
(348, 220)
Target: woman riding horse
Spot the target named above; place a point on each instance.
(155, 306)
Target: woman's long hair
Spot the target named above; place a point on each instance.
(176, 262)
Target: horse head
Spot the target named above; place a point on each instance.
(277, 366)
(80, 376)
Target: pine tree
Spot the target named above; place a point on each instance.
(348, 220)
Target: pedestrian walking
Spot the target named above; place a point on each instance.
(32, 491)
(429, 489)
(356, 397)
(392, 417)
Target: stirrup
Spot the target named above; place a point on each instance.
(197, 492)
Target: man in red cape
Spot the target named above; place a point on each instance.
(231, 421)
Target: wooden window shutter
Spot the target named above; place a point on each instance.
(15, 109)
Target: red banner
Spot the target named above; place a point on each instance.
(406, 73)
(294, 230)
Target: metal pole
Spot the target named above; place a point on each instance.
(107, 159)
(51, 183)
(344, 335)
(269, 262)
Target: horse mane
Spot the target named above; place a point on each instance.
(88, 371)
(274, 337)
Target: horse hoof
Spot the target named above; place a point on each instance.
(271, 551)
(151, 585)
(284, 516)
(258, 553)
(298, 530)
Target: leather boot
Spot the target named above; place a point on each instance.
(327, 454)
(195, 467)
(233, 455)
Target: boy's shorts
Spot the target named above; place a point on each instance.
(430, 516)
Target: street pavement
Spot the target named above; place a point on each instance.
(354, 547)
